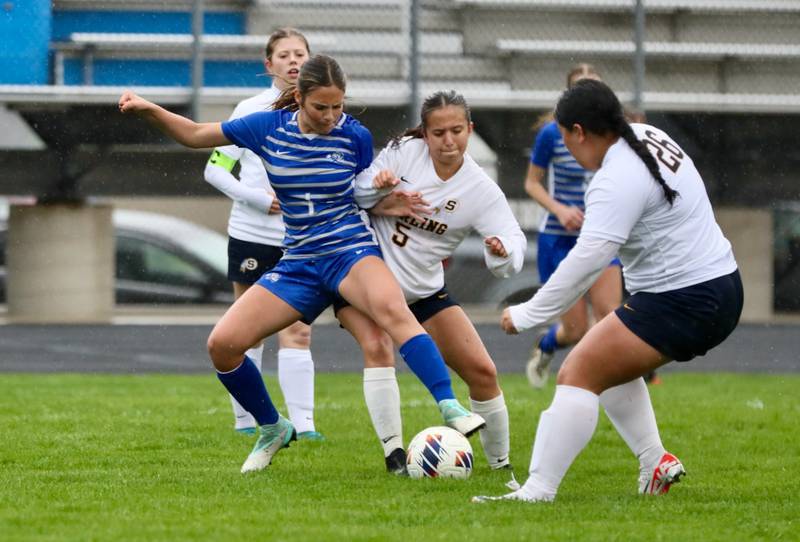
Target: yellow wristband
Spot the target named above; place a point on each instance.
(220, 160)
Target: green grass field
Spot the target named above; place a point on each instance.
(155, 458)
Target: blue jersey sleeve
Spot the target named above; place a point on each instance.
(249, 131)
(363, 141)
(543, 148)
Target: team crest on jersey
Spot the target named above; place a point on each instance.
(272, 277)
(335, 157)
(450, 206)
(248, 264)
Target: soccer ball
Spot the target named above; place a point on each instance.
(439, 452)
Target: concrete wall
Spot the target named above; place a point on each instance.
(751, 234)
(60, 264)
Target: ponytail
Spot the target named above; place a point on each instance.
(626, 132)
(286, 100)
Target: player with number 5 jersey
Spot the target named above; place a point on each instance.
(312, 151)
(431, 161)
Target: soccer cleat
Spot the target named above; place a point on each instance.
(518, 495)
(459, 418)
(657, 481)
(538, 367)
(311, 435)
(246, 430)
(396, 462)
(271, 438)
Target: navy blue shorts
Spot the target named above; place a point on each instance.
(428, 307)
(422, 309)
(551, 249)
(687, 322)
(311, 285)
(247, 261)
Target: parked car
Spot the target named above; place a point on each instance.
(159, 259)
(469, 281)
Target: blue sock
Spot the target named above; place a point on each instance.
(247, 387)
(548, 344)
(424, 359)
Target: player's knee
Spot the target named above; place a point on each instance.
(482, 376)
(221, 351)
(574, 333)
(296, 336)
(392, 314)
(378, 350)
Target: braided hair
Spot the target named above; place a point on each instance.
(594, 106)
(437, 100)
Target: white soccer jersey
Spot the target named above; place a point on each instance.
(664, 247)
(249, 220)
(469, 200)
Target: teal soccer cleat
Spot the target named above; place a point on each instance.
(271, 438)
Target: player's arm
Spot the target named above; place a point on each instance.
(219, 174)
(402, 203)
(569, 216)
(185, 131)
(571, 280)
(504, 243)
(377, 180)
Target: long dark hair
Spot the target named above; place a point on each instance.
(318, 71)
(594, 106)
(435, 101)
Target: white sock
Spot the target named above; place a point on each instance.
(564, 430)
(629, 408)
(382, 396)
(494, 437)
(296, 377)
(242, 418)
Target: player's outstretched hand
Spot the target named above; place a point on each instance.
(507, 324)
(496, 247)
(129, 102)
(402, 203)
(384, 179)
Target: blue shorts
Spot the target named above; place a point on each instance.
(247, 261)
(311, 285)
(686, 322)
(552, 249)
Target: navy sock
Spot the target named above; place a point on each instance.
(548, 344)
(247, 387)
(425, 360)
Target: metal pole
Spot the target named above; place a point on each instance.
(413, 63)
(639, 58)
(197, 56)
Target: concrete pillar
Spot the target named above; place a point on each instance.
(60, 264)
(750, 232)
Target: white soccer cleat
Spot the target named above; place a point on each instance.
(538, 367)
(519, 495)
(459, 418)
(271, 439)
(657, 481)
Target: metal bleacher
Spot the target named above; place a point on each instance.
(502, 54)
